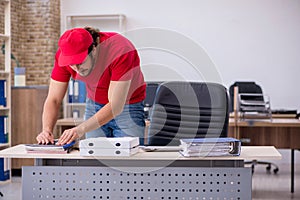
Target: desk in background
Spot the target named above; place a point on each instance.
(283, 133)
(145, 175)
(65, 123)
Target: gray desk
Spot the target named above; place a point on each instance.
(146, 175)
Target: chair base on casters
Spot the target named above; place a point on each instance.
(268, 168)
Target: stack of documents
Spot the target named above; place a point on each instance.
(49, 148)
(102, 146)
(210, 147)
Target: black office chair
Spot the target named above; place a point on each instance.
(250, 88)
(151, 88)
(188, 110)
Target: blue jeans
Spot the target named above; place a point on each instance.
(129, 123)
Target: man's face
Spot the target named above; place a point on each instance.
(85, 68)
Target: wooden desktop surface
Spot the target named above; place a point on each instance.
(65, 123)
(69, 121)
(247, 152)
(275, 122)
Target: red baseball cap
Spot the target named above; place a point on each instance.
(74, 44)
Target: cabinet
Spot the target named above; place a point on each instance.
(105, 22)
(27, 107)
(5, 83)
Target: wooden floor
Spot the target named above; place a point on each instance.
(273, 187)
(264, 185)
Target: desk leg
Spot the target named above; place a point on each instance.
(38, 162)
(292, 169)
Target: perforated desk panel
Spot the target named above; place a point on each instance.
(176, 183)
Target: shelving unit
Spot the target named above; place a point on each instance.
(104, 22)
(74, 109)
(5, 75)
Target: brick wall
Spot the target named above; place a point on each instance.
(35, 31)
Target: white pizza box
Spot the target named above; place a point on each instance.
(108, 152)
(109, 143)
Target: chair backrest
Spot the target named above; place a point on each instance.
(151, 88)
(188, 110)
(247, 87)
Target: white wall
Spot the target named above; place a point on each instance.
(245, 40)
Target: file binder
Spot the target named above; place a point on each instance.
(82, 92)
(3, 93)
(3, 129)
(4, 169)
(76, 91)
(210, 147)
(103, 146)
(109, 143)
(70, 91)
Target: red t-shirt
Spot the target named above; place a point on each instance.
(117, 60)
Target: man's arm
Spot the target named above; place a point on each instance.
(52, 104)
(117, 95)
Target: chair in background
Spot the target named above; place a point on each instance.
(188, 110)
(251, 92)
(151, 88)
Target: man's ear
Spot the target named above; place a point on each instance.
(94, 50)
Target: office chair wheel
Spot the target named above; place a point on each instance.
(252, 168)
(275, 170)
(1, 194)
(268, 168)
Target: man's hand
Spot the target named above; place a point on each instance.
(45, 137)
(69, 136)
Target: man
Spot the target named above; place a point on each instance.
(109, 65)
